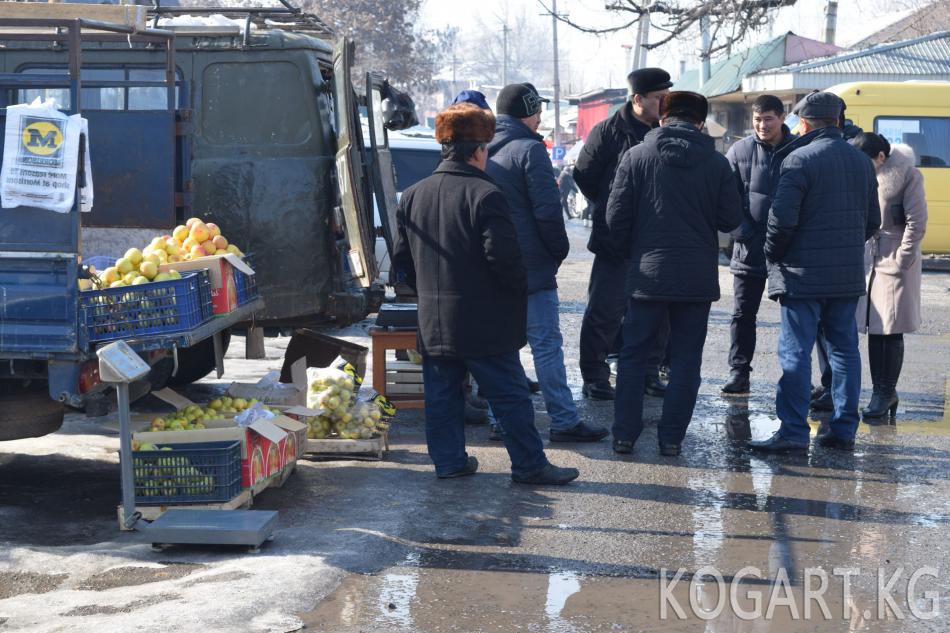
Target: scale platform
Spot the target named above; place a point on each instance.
(210, 527)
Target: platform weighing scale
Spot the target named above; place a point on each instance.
(119, 365)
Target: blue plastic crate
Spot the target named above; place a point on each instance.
(246, 287)
(202, 472)
(163, 307)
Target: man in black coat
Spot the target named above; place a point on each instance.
(756, 161)
(671, 196)
(457, 247)
(518, 161)
(823, 211)
(594, 176)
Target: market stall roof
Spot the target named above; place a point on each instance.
(727, 74)
(926, 58)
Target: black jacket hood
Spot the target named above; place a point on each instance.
(680, 144)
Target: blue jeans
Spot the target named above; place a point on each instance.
(502, 381)
(544, 337)
(688, 324)
(801, 319)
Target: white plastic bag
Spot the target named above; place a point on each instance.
(41, 157)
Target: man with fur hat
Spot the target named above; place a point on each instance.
(594, 176)
(457, 247)
(671, 196)
(824, 210)
(519, 162)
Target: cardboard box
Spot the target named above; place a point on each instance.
(264, 444)
(221, 274)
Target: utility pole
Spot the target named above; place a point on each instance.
(643, 38)
(557, 78)
(504, 65)
(704, 54)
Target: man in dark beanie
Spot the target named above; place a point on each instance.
(824, 210)
(518, 161)
(456, 246)
(671, 196)
(594, 175)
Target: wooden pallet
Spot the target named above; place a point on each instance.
(241, 502)
(373, 448)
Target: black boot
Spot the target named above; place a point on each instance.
(738, 381)
(886, 358)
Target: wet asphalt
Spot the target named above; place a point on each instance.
(633, 544)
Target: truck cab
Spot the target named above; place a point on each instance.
(251, 126)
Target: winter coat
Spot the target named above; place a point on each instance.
(596, 166)
(672, 193)
(757, 165)
(824, 209)
(892, 258)
(457, 247)
(519, 163)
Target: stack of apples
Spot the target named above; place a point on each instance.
(133, 269)
(188, 241)
(195, 239)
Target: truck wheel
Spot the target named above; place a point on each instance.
(29, 414)
(197, 361)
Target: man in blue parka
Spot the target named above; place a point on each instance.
(520, 165)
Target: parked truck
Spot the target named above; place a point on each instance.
(253, 126)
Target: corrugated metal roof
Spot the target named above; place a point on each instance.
(928, 55)
(726, 75)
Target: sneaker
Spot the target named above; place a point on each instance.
(470, 467)
(738, 382)
(580, 433)
(550, 475)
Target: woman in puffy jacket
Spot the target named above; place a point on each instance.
(893, 264)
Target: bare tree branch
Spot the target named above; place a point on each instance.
(730, 21)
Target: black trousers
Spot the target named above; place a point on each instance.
(688, 322)
(748, 297)
(600, 330)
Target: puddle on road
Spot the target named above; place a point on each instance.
(443, 600)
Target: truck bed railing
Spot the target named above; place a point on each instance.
(287, 18)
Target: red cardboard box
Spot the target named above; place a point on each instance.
(221, 274)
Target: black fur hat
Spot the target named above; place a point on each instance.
(691, 106)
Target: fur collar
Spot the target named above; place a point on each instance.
(894, 173)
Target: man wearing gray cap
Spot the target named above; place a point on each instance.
(823, 211)
(594, 176)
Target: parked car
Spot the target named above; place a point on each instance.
(413, 158)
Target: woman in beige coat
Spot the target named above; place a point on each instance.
(893, 263)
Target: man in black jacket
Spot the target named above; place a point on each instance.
(457, 247)
(671, 195)
(594, 176)
(756, 161)
(823, 211)
(518, 161)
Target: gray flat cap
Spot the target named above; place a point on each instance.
(819, 105)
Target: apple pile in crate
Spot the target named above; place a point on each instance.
(189, 241)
